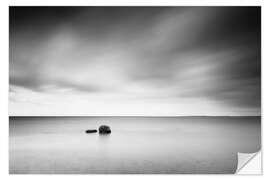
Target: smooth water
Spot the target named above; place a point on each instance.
(136, 144)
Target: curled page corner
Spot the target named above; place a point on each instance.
(249, 163)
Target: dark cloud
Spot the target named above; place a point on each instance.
(208, 53)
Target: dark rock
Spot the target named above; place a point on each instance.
(104, 129)
(91, 131)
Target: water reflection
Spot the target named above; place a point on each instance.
(136, 145)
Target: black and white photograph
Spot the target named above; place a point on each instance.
(133, 89)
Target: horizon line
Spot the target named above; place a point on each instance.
(146, 116)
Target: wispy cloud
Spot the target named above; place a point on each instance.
(178, 56)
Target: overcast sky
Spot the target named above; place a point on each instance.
(135, 61)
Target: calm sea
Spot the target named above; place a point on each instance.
(136, 144)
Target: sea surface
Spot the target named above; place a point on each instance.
(59, 145)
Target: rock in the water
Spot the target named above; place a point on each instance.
(91, 131)
(104, 129)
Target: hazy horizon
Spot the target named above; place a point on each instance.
(141, 116)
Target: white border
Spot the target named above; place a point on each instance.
(137, 2)
(4, 79)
